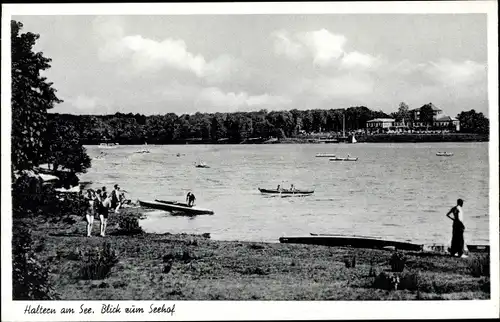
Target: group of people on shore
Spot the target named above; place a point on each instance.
(100, 203)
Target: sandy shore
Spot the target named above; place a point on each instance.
(194, 267)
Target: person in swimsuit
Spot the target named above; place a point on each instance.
(91, 210)
(103, 215)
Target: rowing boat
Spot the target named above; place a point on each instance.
(175, 206)
(373, 242)
(344, 159)
(444, 154)
(325, 155)
(351, 241)
(286, 192)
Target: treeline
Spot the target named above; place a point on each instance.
(231, 127)
(212, 127)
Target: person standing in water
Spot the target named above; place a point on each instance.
(190, 198)
(457, 239)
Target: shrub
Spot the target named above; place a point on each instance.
(397, 262)
(350, 261)
(181, 255)
(31, 198)
(97, 263)
(30, 278)
(480, 266)
(129, 225)
(373, 271)
(387, 281)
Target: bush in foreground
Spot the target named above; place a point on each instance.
(30, 278)
(97, 263)
(480, 266)
(129, 225)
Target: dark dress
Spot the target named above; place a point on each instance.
(457, 239)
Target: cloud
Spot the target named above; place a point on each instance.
(283, 45)
(324, 46)
(456, 73)
(148, 55)
(356, 59)
(325, 49)
(233, 100)
(83, 104)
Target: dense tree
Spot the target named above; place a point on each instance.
(426, 114)
(473, 122)
(63, 147)
(403, 113)
(32, 95)
(222, 127)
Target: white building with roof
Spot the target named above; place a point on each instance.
(380, 123)
(441, 122)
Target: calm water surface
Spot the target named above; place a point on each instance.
(399, 191)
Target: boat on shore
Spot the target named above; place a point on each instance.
(286, 191)
(350, 241)
(173, 206)
(336, 240)
(344, 159)
(444, 154)
(325, 155)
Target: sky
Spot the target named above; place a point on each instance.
(159, 64)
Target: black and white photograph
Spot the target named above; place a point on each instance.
(163, 156)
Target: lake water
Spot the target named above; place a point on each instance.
(399, 191)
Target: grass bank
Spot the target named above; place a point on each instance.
(194, 267)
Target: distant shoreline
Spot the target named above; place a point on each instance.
(377, 138)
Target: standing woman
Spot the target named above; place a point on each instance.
(457, 239)
(90, 213)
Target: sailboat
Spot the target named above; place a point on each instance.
(353, 139)
(144, 150)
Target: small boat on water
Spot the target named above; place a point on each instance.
(201, 165)
(174, 206)
(108, 145)
(325, 155)
(286, 191)
(444, 154)
(344, 159)
(142, 151)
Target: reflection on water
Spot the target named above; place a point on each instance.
(400, 191)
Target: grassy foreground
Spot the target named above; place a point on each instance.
(194, 267)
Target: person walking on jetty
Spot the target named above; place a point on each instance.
(457, 239)
(190, 198)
